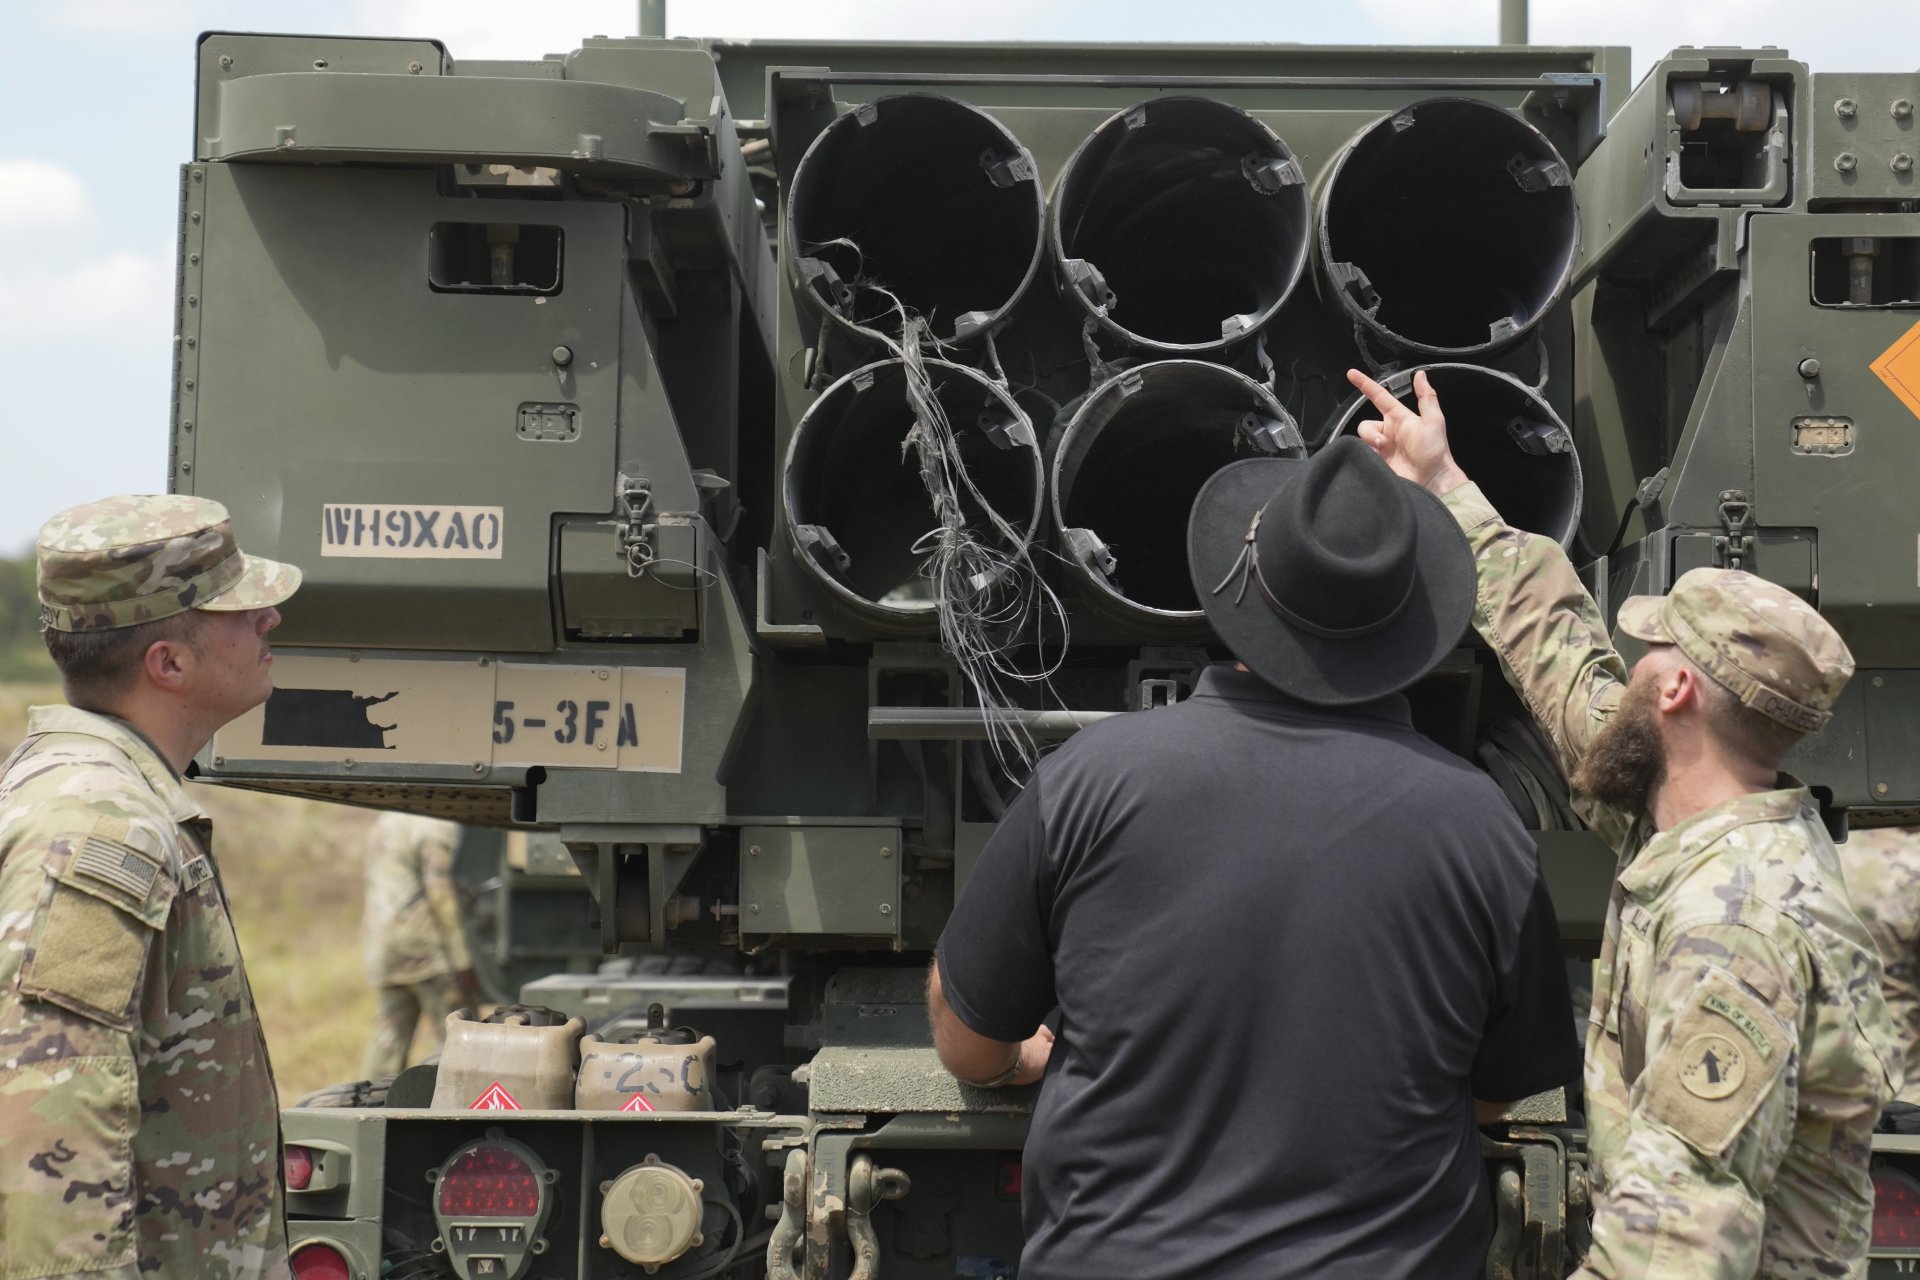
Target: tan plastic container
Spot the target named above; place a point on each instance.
(521, 1059)
(659, 1069)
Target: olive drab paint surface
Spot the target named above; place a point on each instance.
(601, 455)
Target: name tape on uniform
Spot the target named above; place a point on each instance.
(404, 532)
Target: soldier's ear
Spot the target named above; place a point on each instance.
(168, 664)
(1680, 689)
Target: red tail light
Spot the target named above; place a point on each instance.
(298, 1166)
(1006, 1182)
(319, 1261)
(490, 1182)
(1896, 1210)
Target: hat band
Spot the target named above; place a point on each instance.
(1247, 565)
(134, 610)
(1752, 693)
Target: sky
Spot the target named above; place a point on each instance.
(96, 118)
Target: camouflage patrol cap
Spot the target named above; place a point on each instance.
(123, 561)
(1762, 643)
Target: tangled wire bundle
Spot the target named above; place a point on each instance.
(988, 592)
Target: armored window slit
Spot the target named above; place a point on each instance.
(494, 257)
(1865, 271)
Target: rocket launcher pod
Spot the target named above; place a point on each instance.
(1180, 225)
(1507, 439)
(1446, 229)
(858, 508)
(915, 201)
(1127, 470)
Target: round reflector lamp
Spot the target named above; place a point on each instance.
(650, 1214)
(490, 1201)
(1896, 1210)
(319, 1260)
(298, 1166)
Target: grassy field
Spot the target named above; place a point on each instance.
(292, 871)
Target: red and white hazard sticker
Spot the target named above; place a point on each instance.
(496, 1098)
(638, 1102)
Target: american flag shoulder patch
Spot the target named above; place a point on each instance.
(124, 868)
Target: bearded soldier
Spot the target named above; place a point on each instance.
(1736, 1058)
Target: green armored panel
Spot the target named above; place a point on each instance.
(1830, 434)
(1893, 738)
(604, 596)
(1866, 136)
(424, 434)
(820, 880)
(225, 57)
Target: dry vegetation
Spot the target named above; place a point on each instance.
(292, 871)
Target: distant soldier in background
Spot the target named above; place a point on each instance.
(139, 1128)
(416, 945)
(1882, 869)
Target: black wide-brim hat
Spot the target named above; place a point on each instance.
(1292, 653)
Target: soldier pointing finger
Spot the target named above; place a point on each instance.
(1735, 1058)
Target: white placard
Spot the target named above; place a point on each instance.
(403, 531)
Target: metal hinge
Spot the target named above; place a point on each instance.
(1733, 547)
(636, 508)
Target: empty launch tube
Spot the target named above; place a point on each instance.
(1447, 229)
(919, 198)
(1180, 225)
(1507, 439)
(858, 510)
(1127, 470)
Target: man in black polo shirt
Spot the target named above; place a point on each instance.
(1291, 941)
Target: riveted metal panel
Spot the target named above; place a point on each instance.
(820, 880)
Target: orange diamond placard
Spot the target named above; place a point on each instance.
(1899, 367)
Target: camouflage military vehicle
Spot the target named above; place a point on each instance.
(731, 462)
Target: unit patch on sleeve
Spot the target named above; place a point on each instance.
(1712, 1066)
(1718, 1065)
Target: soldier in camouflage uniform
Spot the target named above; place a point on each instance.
(1883, 879)
(1737, 1049)
(139, 1130)
(415, 944)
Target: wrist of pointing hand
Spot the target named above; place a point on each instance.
(1447, 479)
